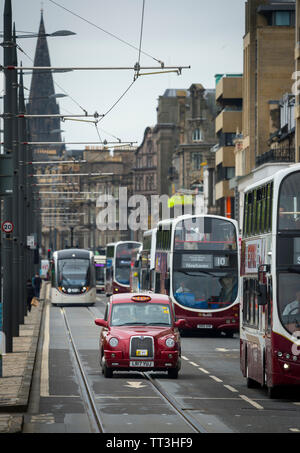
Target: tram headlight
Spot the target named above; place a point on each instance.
(113, 342)
(83, 289)
(170, 342)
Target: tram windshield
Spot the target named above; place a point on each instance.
(73, 274)
(125, 253)
(289, 300)
(205, 289)
(140, 314)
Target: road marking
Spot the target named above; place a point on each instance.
(193, 363)
(226, 350)
(134, 385)
(215, 378)
(44, 383)
(294, 430)
(203, 370)
(126, 397)
(250, 401)
(232, 389)
(184, 358)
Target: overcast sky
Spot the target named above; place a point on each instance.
(207, 35)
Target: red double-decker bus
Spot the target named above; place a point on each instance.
(197, 264)
(119, 256)
(270, 282)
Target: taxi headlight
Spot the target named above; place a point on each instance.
(113, 342)
(170, 342)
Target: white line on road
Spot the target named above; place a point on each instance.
(184, 358)
(250, 401)
(203, 370)
(215, 378)
(44, 383)
(193, 363)
(232, 389)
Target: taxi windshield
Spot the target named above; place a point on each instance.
(146, 314)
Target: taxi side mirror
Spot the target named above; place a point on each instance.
(101, 322)
(179, 323)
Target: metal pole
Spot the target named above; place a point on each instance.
(22, 199)
(7, 210)
(15, 201)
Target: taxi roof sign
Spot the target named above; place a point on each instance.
(141, 298)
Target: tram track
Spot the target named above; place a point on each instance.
(189, 420)
(87, 393)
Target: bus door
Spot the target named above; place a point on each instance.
(265, 302)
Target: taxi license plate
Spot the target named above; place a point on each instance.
(142, 363)
(141, 352)
(204, 326)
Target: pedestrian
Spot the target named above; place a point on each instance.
(30, 294)
(37, 281)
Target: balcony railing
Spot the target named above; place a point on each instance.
(276, 155)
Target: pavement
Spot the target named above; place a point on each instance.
(17, 369)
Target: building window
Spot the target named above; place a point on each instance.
(197, 161)
(282, 18)
(197, 135)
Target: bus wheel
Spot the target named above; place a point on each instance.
(273, 392)
(229, 334)
(251, 383)
(173, 373)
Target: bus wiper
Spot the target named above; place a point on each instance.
(198, 272)
(295, 270)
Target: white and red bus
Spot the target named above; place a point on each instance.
(99, 261)
(119, 256)
(197, 264)
(270, 281)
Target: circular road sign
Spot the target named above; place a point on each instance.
(7, 227)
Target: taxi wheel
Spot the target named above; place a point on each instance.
(108, 372)
(173, 373)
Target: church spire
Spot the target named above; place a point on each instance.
(42, 99)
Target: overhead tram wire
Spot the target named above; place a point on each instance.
(105, 31)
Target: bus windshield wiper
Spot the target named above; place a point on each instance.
(198, 272)
(295, 270)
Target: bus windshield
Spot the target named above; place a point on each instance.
(289, 300)
(205, 233)
(73, 273)
(289, 203)
(125, 253)
(140, 313)
(205, 289)
(99, 270)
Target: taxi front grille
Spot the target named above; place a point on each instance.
(141, 343)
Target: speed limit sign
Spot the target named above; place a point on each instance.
(7, 227)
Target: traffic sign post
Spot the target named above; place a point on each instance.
(7, 227)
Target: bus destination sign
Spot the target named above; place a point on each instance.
(191, 261)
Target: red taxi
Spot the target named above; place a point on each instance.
(140, 333)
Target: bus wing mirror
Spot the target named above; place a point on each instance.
(262, 294)
(167, 285)
(101, 322)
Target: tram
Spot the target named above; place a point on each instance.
(73, 277)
